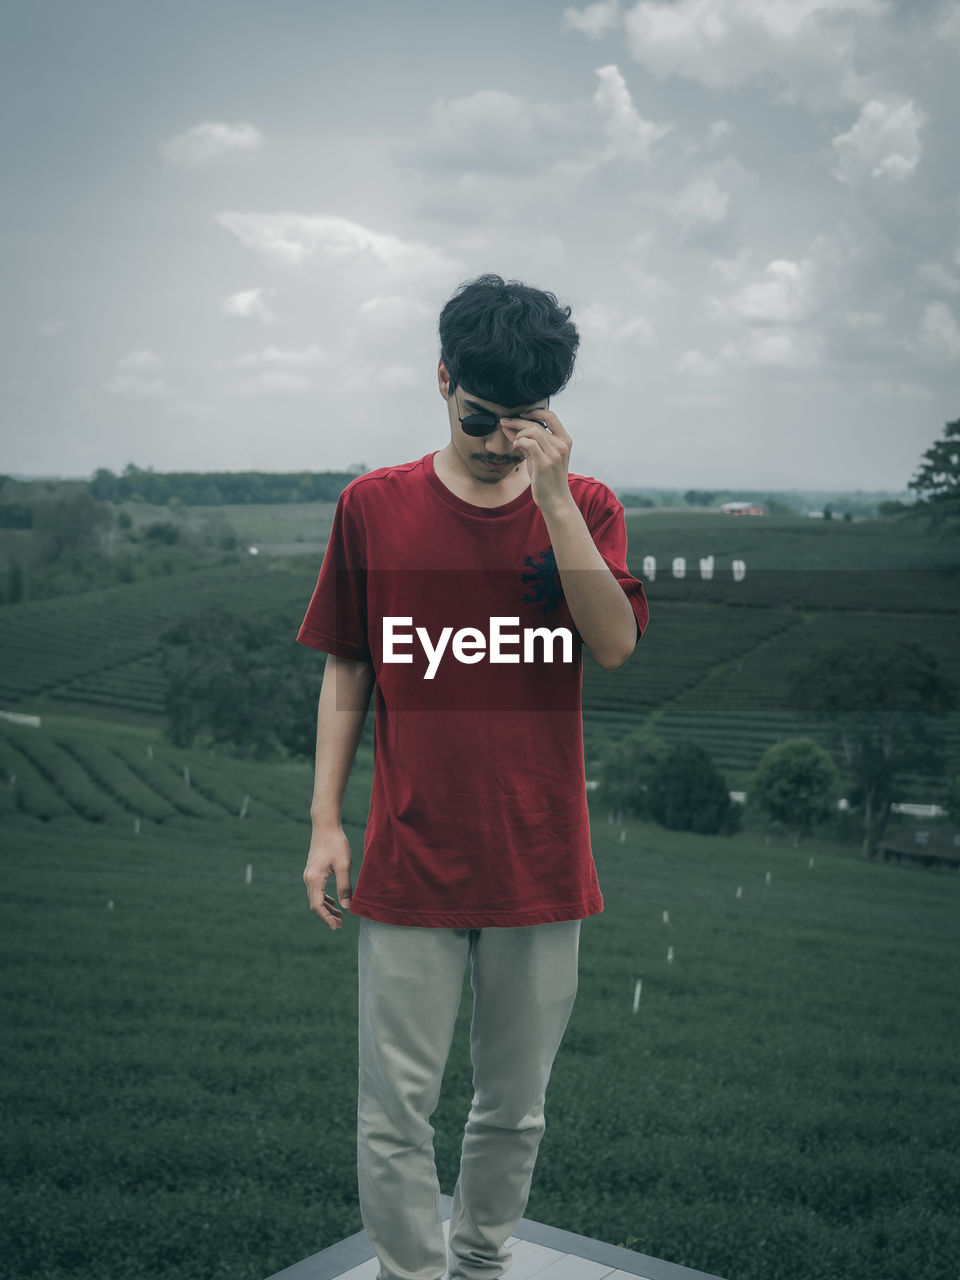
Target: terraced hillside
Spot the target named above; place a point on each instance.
(711, 667)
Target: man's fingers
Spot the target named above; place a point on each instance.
(316, 874)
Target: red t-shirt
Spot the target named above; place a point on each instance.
(478, 811)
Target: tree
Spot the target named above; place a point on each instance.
(939, 479)
(688, 793)
(235, 678)
(14, 592)
(69, 530)
(796, 784)
(625, 769)
(875, 697)
(775, 506)
(951, 800)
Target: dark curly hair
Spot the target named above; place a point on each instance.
(506, 341)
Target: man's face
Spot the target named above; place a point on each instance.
(491, 457)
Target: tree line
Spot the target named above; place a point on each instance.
(878, 703)
(246, 685)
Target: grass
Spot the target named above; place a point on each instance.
(179, 1083)
(179, 1092)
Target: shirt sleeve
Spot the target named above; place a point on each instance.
(609, 532)
(336, 617)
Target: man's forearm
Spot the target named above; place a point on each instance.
(342, 709)
(598, 604)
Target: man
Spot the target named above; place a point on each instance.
(477, 843)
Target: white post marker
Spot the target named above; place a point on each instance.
(739, 890)
(150, 750)
(811, 862)
(136, 826)
(109, 904)
(249, 872)
(666, 917)
(768, 877)
(636, 992)
(623, 835)
(670, 955)
(243, 807)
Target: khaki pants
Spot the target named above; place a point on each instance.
(410, 986)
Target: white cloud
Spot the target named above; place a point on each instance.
(803, 49)
(142, 358)
(399, 377)
(473, 241)
(494, 132)
(249, 304)
(595, 21)
(790, 348)
(274, 380)
(631, 137)
(776, 311)
(900, 390)
(648, 287)
(131, 381)
(865, 320)
(936, 276)
(770, 347)
(698, 205)
(297, 238)
(210, 141)
(394, 308)
(720, 128)
(49, 328)
(785, 295)
(551, 250)
(948, 23)
(732, 269)
(286, 358)
(641, 242)
(883, 143)
(696, 363)
(194, 410)
(939, 331)
(606, 324)
(702, 201)
(136, 388)
(696, 400)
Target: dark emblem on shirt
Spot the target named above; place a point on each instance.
(543, 575)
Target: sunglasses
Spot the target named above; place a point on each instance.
(482, 424)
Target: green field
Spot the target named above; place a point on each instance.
(711, 667)
(180, 1075)
(180, 1070)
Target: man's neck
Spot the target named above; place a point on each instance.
(451, 472)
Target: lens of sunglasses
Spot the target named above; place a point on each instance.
(479, 424)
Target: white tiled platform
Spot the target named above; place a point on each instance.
(548, 1253)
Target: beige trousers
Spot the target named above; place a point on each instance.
(524, 984)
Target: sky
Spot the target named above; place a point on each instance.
(228, 230)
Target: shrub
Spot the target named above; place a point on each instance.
(688, 793)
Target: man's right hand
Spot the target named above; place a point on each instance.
(329, 855)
